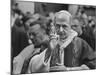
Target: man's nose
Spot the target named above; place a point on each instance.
(61, 29)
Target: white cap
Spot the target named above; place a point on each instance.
(63, 16)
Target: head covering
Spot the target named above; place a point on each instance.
(63, 16)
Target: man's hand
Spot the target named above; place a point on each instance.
(53, 40)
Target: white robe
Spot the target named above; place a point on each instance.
(37, 63)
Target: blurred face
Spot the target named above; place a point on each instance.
(62, 26)
(36, 35)
(76, 26)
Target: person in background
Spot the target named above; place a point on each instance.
(88, 33)
(77, 26)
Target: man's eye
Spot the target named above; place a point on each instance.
(64, 26)
(58, 25)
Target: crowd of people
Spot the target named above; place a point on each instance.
(53, 43)
(88, 27)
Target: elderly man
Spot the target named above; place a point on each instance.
(78, 55)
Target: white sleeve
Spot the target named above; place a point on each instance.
(18, 61)
(37, 63)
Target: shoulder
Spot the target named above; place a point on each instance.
(78, 39)
(83, 44)
(80, 42)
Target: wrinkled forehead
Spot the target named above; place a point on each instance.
(62, 23)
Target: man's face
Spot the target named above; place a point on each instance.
(36, 35)
(62, 26)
